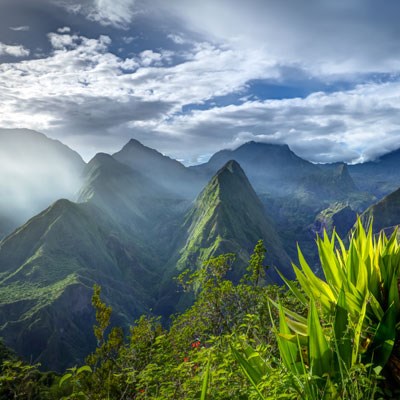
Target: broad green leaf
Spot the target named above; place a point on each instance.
(250, 372)
(319, 353)
(288, 350)
(84, 368)
(206, 378)
(341, 330)
(358, 333)
(64, 378)
(292, 286)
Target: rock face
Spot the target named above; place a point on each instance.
(340, 216)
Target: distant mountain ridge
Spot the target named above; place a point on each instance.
(164, 171)
(268, 166)
(379, 177)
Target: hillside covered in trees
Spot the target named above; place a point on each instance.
(330, 338)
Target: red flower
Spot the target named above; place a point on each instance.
(185, 359)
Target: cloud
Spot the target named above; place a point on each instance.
(65, 29)
(82, 90)
(13, 50)
(116, 13)
(177, 39)
(353, 126)
(128, 39)
(83, 87)
(23, 28)
(325, 38)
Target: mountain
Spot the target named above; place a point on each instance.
(118, 236)
(379, 177)
(35, 171)
(385, 213)
(228, 217)
(146, 211)
(139, 219)
(47, 270)
(161, 169)
(332, 182)
(269, 167)
(339, 216)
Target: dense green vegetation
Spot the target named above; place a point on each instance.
(330, 338)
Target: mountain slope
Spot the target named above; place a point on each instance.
(161, 169)
(269, 167)
(35, 171)
(145, 210)
(119, 236)
(385, 213)
(379, 177)
(47, 269)
(228, 217)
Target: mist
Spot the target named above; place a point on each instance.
(35, 172)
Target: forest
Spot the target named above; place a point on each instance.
(332, 335)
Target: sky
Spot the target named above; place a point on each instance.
(192, 77)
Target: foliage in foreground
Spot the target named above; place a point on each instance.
(323, 339)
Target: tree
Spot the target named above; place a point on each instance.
(256, 270)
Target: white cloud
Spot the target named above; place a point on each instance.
(13, 50)
(128, 39)
(353, 126)
(65, 29)
(23, 28)
(326, 37)
(178, 39)
(149, 57)
(117, 13)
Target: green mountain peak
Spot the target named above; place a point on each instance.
(228, 217)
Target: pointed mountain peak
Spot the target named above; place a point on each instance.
(103, 161)
(136, 148)
(134, 143)
(230, 179)
(232, 167)
(342, 177)
(228, 217)
(341, 168)
(101, 158)
(163, 170)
